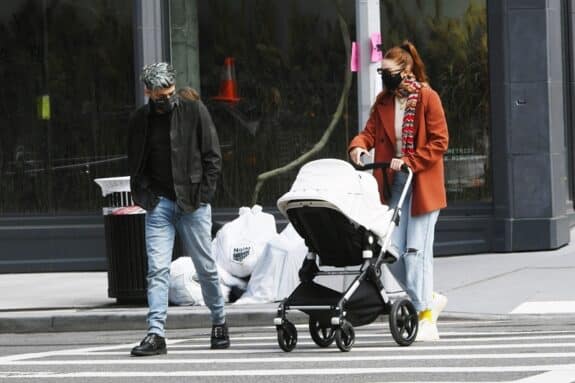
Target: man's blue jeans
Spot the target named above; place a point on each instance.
(195, 232)
(413, 241)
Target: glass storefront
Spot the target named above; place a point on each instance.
(66, 69)
(289, 62)
(451, 36)
(68, 73)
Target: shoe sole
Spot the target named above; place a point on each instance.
(220, 347)
(152, 353)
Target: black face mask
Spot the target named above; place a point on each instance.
(390, 81)
(164, 104)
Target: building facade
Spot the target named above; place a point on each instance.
(275, 77)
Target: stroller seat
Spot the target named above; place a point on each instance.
(328, 233)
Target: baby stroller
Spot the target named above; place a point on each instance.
(337, 211)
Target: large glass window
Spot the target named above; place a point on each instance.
(66, 69)
(451, 36)
(286, 64)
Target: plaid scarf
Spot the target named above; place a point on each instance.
(408, 88)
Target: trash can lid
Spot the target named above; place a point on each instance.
(113, 184)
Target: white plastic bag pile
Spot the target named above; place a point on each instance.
(239, 244)
(184, 286)
(250, 256)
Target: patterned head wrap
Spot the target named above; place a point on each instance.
(158, 75)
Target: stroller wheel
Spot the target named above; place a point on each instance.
(345, 336)
(403, 322)
(322, 336)
(287, 336)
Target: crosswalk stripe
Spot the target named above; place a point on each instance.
(545, 307)
(556, 376)
(356, 348)
(86, 350)
(448, 336)
(302, 359)
(568, 368)
(388, 340)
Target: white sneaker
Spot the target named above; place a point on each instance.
(427, 331)
(437, 305)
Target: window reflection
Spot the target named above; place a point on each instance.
(67, 75)
(452, 38)
(290, 63)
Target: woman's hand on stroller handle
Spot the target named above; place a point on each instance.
(356, 153)
(396, 164)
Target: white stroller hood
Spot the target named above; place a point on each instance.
(354, 193)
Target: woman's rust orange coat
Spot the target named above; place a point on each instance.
(431, 139)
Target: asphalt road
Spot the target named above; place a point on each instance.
(520, 349)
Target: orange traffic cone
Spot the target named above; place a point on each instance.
(228, 87)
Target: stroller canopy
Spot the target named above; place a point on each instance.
(354, 193)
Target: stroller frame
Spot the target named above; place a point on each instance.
(335, 317)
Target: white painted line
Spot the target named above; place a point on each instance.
(555, 376)
(387, 341)
(477, 334)
(79, 351)
(356, 348)
(289, 359)
(545, 307)
(290, 372)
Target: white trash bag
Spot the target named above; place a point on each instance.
(185, 289)
(239, 243)
(276, 274)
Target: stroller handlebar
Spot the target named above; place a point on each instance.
(379, 165)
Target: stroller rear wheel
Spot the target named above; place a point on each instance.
(345, 336)
(322, 336)
(287, 336)
(403, 322)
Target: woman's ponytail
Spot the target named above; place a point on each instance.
(418, 68)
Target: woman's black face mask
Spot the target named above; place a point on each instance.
(390, 80)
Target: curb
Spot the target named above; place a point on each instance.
(110, 320)
(79, 320)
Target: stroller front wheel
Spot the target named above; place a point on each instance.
(322, 336)
(403, 322)
(345, 336)
(287, 336)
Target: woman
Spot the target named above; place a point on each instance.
(407, 126)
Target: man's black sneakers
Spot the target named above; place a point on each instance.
(220, 336)
(152, 344)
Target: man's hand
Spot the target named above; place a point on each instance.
(356, 153)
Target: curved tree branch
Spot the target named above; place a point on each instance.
(262, 178)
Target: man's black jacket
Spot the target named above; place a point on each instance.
(196, 157)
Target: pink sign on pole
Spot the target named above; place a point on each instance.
(354, 62)
(376, 55)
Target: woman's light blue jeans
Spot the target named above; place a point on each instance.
(195, 233)
(413, 241)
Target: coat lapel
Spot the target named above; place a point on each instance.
(387, 115)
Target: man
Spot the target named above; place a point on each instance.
(174, 158)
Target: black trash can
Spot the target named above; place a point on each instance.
(124, 226)
(125, 242)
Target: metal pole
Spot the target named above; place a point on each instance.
(368, 80)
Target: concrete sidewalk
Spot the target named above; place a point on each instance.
(482, 286)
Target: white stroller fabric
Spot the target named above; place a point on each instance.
(276, 273)
(354, 193)
(239, 244)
